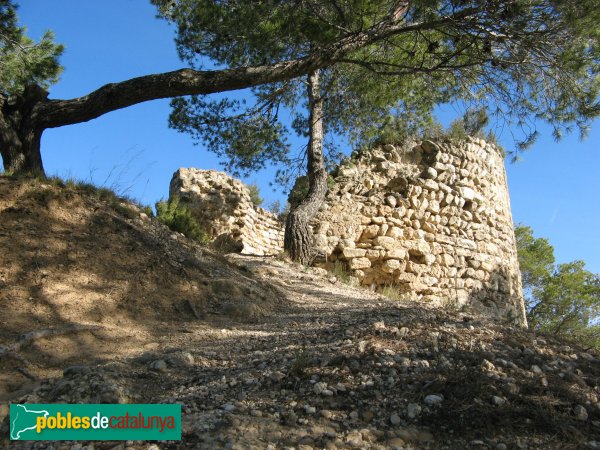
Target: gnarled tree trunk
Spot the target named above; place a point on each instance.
(298, 240)
(20, 133)
(21, 153)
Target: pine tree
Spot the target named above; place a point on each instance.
(527, 59)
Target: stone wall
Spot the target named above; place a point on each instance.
(430, 219)
(222, 206)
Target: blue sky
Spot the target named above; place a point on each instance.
(554, 189)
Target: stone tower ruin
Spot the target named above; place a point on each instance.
(430, 219)
(223, 208)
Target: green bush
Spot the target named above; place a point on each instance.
(255, 197)
(561, 299)
(179, 218)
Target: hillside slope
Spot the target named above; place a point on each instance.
(261, 353)
(79, 257)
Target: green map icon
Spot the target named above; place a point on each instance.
(23, 419)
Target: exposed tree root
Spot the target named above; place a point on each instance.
(26, 373)
(195, 312)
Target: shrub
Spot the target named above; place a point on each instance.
(255, 197)
(179, 218)
(562, 300)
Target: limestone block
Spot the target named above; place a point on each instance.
(418, 248)
(391, 265)
(447, 260)
(423, 206)
(415, 268)
(372, 254)
(396, 253)
(365, 220)
(487, 266)
(394, 222)
(429, 259)
(359, 263)
(431, 186)
(348, 171)
(474, 263)
(384, 210)
(466, 243)
(353, 252)
(466, 193)
(399, 212)
(346, 243)
(428, 227)
(370, 232)
(430, 173)
(404, 277)
(434, 206)
(430, 147)
(395, 232)
(386, 242)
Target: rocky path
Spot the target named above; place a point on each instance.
(340, 367)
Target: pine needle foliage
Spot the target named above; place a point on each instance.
(179, 218)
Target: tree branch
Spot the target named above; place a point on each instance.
(114, 96)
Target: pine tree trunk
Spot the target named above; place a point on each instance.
(20, 136)
(21, 156)
(298, 240)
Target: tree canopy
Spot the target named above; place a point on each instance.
(523, 60)
(561, 299)
(23, 61)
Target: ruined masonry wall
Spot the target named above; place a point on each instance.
(222, 206)
(430, 219)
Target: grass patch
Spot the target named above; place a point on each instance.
(41, 191)
(390, 291)
(341, 272)
(393, 291)
(301, 362)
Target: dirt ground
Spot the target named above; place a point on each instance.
(260, 353)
